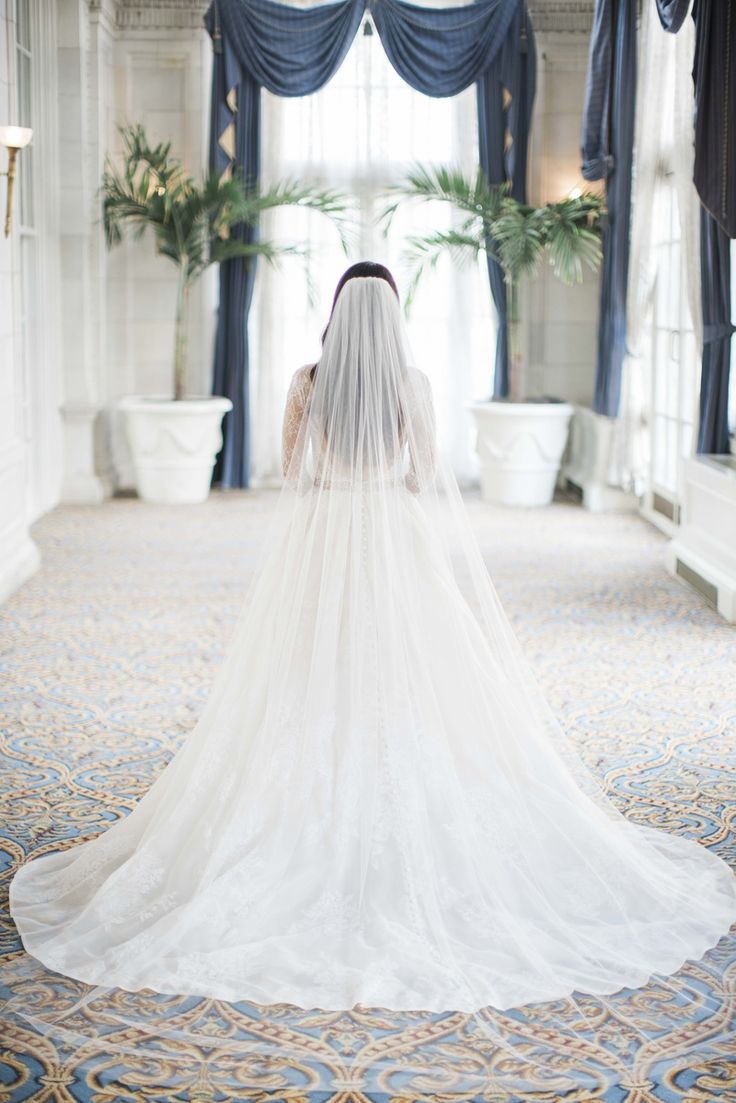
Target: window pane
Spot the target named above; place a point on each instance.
(24, 168)
(659, 450)
(23, 23)
(25, 160)
(661, 361)
(671, 372)
(24, 89)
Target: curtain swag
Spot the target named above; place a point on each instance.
(672, 13)
(294, 51)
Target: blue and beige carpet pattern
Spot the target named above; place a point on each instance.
(106, 656)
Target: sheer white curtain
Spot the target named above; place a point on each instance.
(359, 134)
(663, 172)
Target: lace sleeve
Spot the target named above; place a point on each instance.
(422, 436)
(296, 404)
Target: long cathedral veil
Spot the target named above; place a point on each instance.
(377, 823)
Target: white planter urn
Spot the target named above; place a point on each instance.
(174, 445)
(520, 447)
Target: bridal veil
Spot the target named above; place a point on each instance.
(376, 809)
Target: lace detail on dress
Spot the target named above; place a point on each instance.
(422, 436)
(419, 432)
(296, 406)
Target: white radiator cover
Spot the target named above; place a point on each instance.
(705, 545)
(588, 463)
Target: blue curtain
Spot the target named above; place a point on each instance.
(505, 100)
(714, 80)
(237, 280)
(607, 149)
(714, 75)
(715, 291)
(294, 51)
(291, 52)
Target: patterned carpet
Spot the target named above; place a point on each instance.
(106, 656)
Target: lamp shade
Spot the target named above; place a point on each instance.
(15, 137)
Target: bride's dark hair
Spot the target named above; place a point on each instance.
(360, 270)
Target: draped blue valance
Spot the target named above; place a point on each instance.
(293, 51)
(289, 51)
(442, 52)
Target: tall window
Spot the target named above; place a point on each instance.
(664, 291)
(359, 135)
(674, 358)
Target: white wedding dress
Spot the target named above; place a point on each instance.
(376, 806)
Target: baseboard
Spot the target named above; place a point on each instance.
(18, 567)
(585, 472)
(699, 573)
(86, 490)
(598, 497)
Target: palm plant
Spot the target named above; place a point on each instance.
(193, 224)
(514, 234)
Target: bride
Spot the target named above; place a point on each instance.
(376, 806)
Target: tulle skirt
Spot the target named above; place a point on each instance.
(375, 808)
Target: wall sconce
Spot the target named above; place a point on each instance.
(13, 138)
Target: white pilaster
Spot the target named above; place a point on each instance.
(560, 321)
(84, 50)
(18, 554)
(161, 71)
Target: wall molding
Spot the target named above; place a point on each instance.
(135, 15)
(562, 15)
(547, 15)
(22, 562)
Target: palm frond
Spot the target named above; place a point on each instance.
(448, 184)
(226, 250)
(425, 252)
(518, 238)
(573, 237)
(197, 224)
(291, 193)
(191, 222)
(513, 233)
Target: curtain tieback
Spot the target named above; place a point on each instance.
(720, 332)
(598, 168)
(672, 13)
